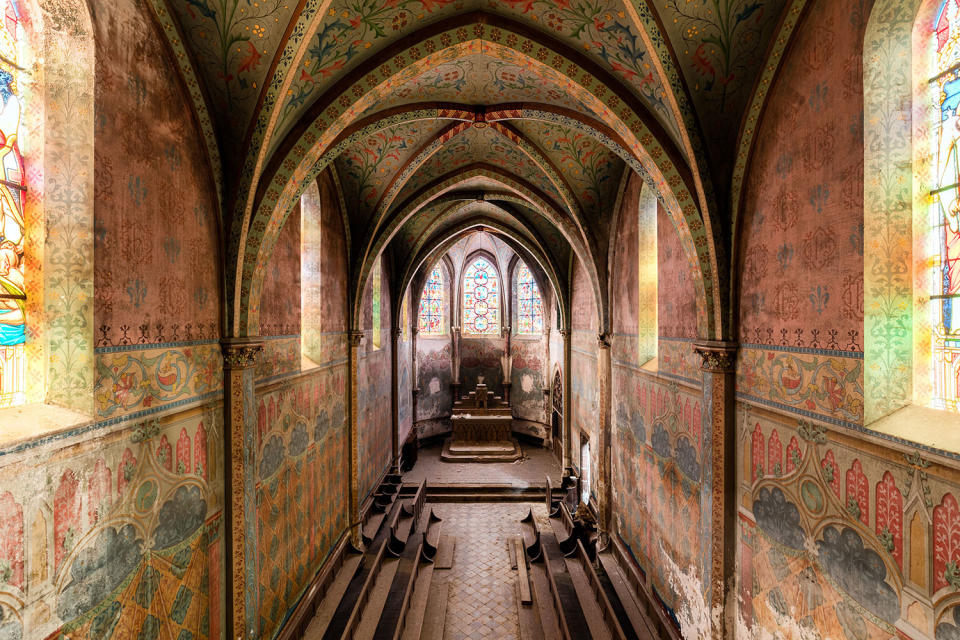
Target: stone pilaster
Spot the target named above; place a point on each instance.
(240, 422)
(604, 480)
(355, 337)
(718, 497)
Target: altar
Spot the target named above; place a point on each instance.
(482, 430)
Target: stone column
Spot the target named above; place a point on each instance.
(395, 396)
(567, 418)
(355, 338)
(718, 492)
(239, 477)
(604, 485)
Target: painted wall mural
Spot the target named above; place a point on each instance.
(280, 296)
(373, 414)
(405, 380)
(122, 540)
(435, 400)
(301, 491)
(528, 378)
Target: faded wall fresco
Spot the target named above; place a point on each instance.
(117, 537)
(435, 400)
(676, 296)
(405, 372)
(481, 357)
(280, 295)
(584, 395)
(528, 378)
(801, 258)
(374, 421)
(301, 490)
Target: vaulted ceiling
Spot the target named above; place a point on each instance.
(438, 114)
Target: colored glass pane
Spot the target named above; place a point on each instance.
(481, 299)
(430, 314)
(12, 230)
(529, 303)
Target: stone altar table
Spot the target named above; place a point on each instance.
(482, 430)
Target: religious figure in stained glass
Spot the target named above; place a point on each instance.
(481, 299)
(12, 228)
(430, 314)
(529, 303)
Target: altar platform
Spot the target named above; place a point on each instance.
(482, 430)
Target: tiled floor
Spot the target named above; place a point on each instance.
(482, 600)
(529, 470)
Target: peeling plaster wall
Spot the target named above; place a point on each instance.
(657, 416)
(840, 533)
(435, 400)
(114, 528)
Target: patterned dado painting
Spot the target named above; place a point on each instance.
(842, 538)
(118, 536)
(657, 464)
(301, 489)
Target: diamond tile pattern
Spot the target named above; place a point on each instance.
(482, 599)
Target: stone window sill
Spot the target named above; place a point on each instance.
(933, 428)
(32, 421)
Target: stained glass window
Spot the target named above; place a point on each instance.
(529, 303)
(12, 291)
(430, 314)
(481, 299)
(376, 304)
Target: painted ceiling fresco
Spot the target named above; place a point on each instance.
(480, 145)
(592, 170)
(367, 168)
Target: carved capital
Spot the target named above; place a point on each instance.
(397, 333)
(717, 357)
(355, 338)
(603, 340)
(240, 354)
(565, 333)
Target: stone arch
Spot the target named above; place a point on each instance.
(260, 215)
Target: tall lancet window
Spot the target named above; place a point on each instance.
(13, 295)
(430, 314)
(943, 244)
(481, 298)
(529, 303)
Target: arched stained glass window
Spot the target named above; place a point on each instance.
(481, 299)
(529, 303)
(430, 314)
(12, 291)
(943, 245)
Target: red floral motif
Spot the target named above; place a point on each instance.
(200, 452)
(946, 538)
(98, 492)
(830, 472)
(775, 454)
(858, 492)
(11, 538)
(793, 455)
(66, 516)
(183, 452)
(165, 453)
(890, 514)
(756, 454)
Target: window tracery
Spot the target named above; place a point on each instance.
(529, 303)
(481, 298)
(430, 313)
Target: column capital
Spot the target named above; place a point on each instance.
(397, 332)
(240, 353)
(603, 340)
(355, 338)
(717, 357)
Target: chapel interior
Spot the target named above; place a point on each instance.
(447, 319)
